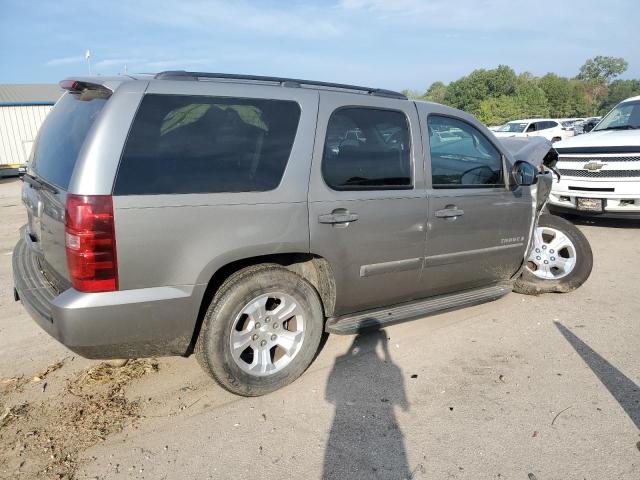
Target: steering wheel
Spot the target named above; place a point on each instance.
(481, 175)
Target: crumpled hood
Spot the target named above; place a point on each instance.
(528, 149)
(603, 138)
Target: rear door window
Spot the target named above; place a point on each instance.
(197, 144)
(367, 149)
(63, 133)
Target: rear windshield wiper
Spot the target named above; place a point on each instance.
(38, 184)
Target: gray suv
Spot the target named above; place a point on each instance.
(241, 218)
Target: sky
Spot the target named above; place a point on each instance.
(393, 44)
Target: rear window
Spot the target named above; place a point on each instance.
(196, 144)
(63, 133)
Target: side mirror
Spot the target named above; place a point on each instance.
(524, 174)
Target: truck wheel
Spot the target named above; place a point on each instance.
(560, 259)
(261, 330)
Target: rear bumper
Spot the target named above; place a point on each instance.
(123, 324)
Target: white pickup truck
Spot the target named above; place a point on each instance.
(600, 170)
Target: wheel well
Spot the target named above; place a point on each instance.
(316, 270)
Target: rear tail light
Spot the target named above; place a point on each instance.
(90, 242)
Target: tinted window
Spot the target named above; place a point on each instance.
(367, 149)
(195, 144)
(461, 156)
(63, 133)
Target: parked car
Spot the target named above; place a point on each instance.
(241, 217)
(538, 127)
(568, 125)
(586, 125)
(600, 171)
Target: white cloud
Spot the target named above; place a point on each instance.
(305, 22)
(477, 15)
(65, 61)
(177, 63)
(115, 62)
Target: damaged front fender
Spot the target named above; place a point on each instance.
(539, 152)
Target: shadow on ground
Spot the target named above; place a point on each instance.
(624, 390)
(365, 440)
(595, 221)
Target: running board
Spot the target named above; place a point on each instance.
(371, 319)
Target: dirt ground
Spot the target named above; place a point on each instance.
(532, 388)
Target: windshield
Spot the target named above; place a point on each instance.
(625, 116)
(62, 135)
(516, 127)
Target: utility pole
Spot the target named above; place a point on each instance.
(87, 55)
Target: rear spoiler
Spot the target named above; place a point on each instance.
(78, 85)
(99, 82)
(84, 90)
(534, 150)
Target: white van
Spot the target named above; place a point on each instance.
(600, 170)
(532, 127)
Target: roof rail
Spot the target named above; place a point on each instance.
(285, 82)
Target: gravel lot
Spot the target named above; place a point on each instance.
(531, 388)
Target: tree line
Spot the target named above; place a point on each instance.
(498, 95)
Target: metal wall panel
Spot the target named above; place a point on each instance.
(18, 128)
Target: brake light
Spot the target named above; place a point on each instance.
(69, 84)
(90, 242)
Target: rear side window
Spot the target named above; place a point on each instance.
(63, 133)
(196, 144)
(367, 149)
(461, 156)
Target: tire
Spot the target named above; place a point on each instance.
(257, 290)
(556, 139)
(572, 263)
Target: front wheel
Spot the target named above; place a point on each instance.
(261, 331)
(560, 259)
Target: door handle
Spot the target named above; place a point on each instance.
(449, 213)
(337, 217)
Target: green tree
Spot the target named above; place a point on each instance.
(558, 92)
(436, 92)
(498, 94)
(565, 98)
(468, 92)
(618, 91)
(412, 94)
(581, 104)
(531, 100)
(602, 69)
(597, 72)
(498, 110)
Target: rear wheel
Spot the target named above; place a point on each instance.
(560, 259)
(261, 331)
